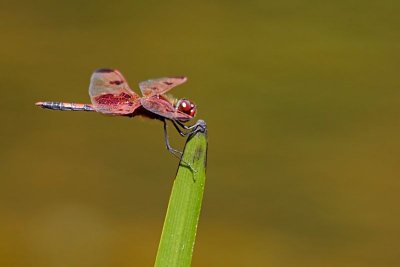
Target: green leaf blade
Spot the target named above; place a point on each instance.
(180, 226)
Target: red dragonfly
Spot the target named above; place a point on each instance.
(110, 94)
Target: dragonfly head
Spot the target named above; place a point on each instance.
(187, 107)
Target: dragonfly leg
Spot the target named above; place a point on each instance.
(184, 126)
(182, 133)
(199, 126)
(172, 150)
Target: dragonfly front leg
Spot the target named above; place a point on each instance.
(199, 126)
(182, 133)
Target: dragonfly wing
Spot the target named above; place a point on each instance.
(110, 93)
(112, 104)
(160, 86)
(164, 109)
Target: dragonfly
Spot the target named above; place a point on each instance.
(110, 94)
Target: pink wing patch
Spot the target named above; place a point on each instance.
(160, 86)
(116, 104)
(110, 93)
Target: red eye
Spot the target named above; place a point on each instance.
(193, 111)
(187, 107)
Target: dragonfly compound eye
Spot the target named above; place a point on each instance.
(187, 107)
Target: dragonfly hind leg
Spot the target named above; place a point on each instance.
(172, 150)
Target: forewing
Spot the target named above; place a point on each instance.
(160, 86)
(110, 93)
(163, 108)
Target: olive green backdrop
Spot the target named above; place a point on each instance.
(302, 103)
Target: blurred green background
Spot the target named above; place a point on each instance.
(302, 104)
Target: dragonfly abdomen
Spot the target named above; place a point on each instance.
(65, 106)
